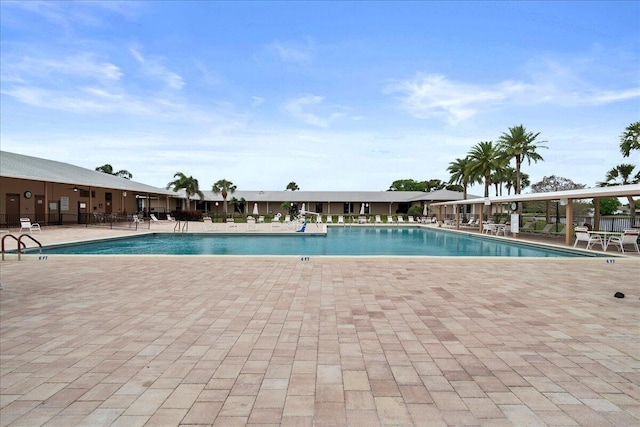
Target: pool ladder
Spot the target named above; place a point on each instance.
(21, 244)
(182, 229)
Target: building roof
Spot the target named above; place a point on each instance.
(335, 196)
(19, 166)
(583, 193)
(36, 169)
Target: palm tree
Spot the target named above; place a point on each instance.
(189, 184)
(224, 187)
(460, 171)
(108, 169)
(484, 160)
(292, 186)
(630, 139)
(520, 145)
(623, 175)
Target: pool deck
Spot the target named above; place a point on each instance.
(332, 341)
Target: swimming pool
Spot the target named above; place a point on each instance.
(351, 241)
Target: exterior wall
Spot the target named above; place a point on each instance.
(55, 203)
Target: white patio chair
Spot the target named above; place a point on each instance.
(583, 235)
(628, 237)
(26, 224)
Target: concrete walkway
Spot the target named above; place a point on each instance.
(209, 340)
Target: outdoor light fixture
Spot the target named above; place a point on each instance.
(75, 189)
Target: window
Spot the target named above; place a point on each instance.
(318, 208)
(403, 208)
(348, 208)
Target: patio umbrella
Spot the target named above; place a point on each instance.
(425, 210)
(302, 211)
(255, 209)
(362, 209)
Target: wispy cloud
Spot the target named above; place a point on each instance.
(85, 66)
(436, 96)
(292, 52)
(427, 96)
(312, 110)
(69, 15)
(153, 67)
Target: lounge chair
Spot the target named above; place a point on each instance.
(287, 219)
(628, 237)
(260, 219)
(526, 227)
(170, 218)
(135, 218)
(153, 218)
(583, 235)
(329, 219)
(546, 229)
(390, 219)
(400, 219)
(26, 224)
(318, 219)
(411, 220)
(378, 219)
(275, 221)
(340, 219)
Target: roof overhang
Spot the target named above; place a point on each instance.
(583, 193)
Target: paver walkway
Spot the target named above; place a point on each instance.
(201, 340)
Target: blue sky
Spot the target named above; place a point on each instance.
(331, 95)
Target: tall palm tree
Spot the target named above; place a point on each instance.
(520, 145)
(292, 186)
(484, 159)
(108, 169)
(630, 139)
(224, 187)
(189, 184)
(460, 171)
(623, 175)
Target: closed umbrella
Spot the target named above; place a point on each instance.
(362, 209)
(255, 209)
(302, 211)
(425, 210)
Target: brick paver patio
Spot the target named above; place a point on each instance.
(201, 340)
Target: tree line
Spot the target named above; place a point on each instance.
(487, 163)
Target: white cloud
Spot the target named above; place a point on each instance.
(153, 68)
(257, 101)
(84, 66)
(436, 96)
(291, 52)
(311, 109)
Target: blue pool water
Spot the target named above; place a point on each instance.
(338, 241)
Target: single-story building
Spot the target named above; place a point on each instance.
(52, 192)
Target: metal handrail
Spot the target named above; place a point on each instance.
(14, 238)
(20, 241)
(181, 227)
